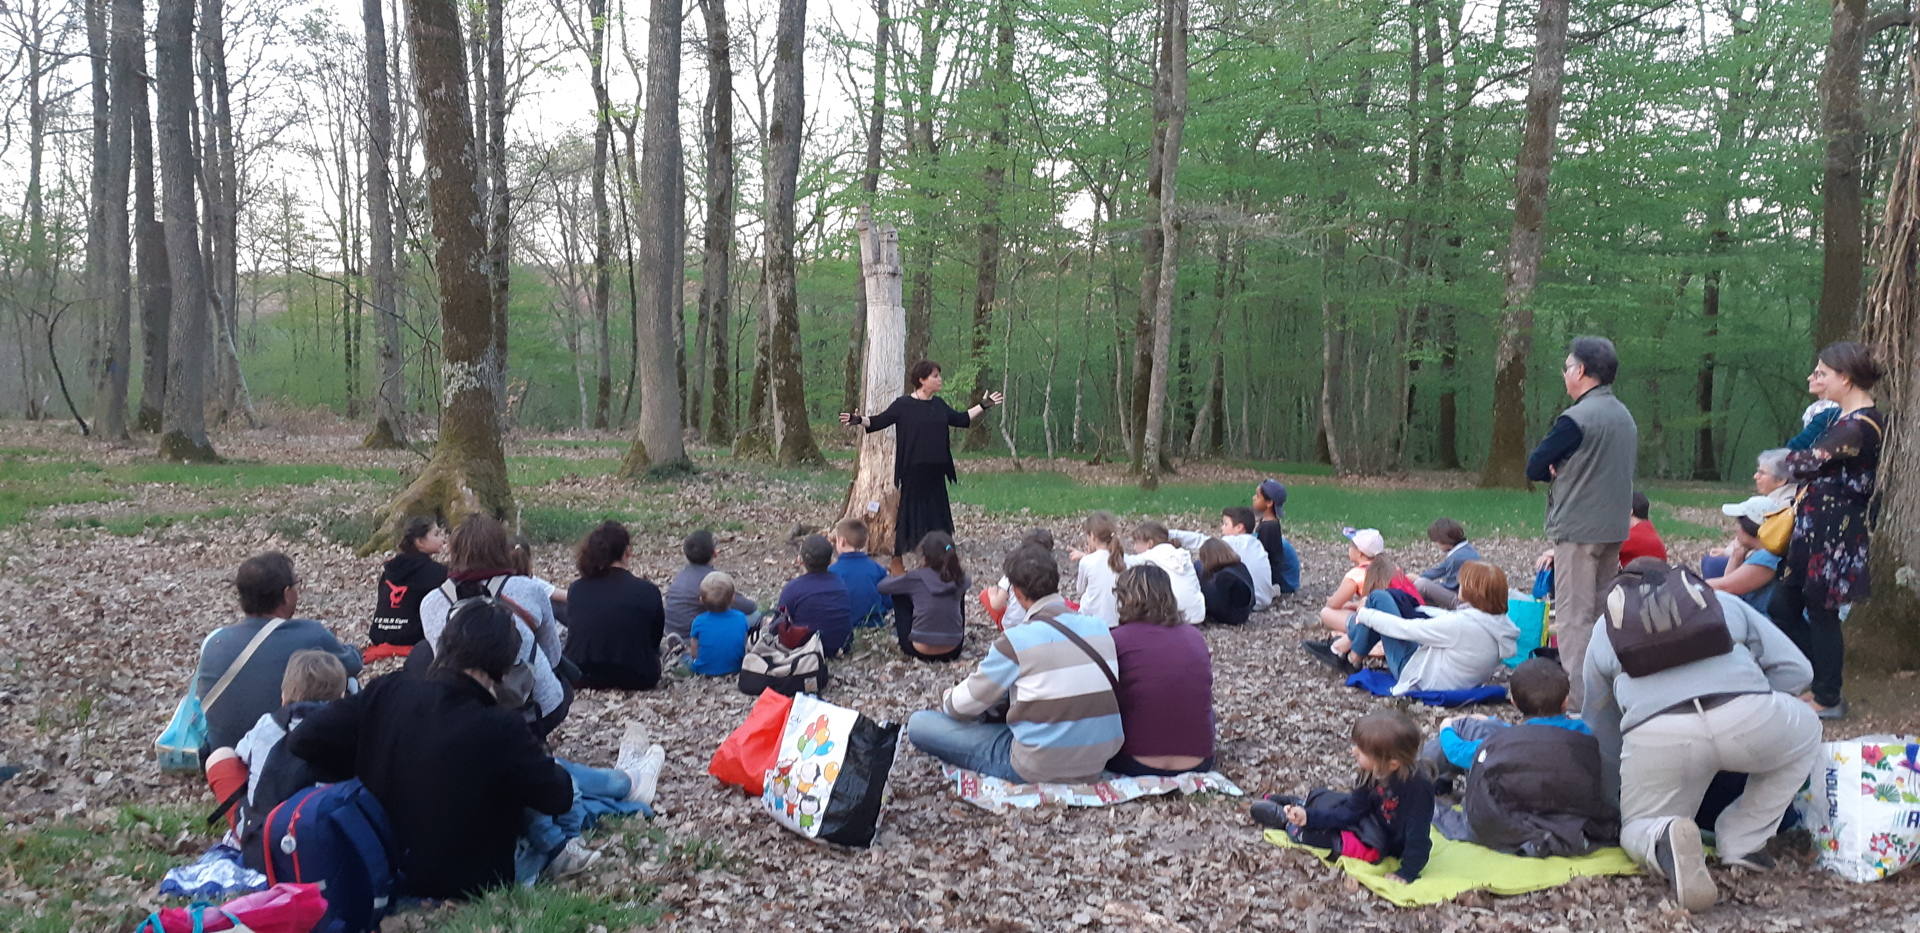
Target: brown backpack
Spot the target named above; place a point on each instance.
(1660, 617)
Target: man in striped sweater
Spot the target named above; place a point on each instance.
(1064, 720)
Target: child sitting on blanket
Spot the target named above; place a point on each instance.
(1389, 812)
(998, 599)
(1539, 690)
(1152, 544)
(1439, 585)
(1452, 650)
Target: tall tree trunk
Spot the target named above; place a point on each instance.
(1506, 464)
(993, 182)
(869, 184)
(183, 419)
(1152, 251)
(926, 197)
(150, 249)
(660, 446)
(1172, 89)
(873, 497)
(716, 259)
(390, 402)
(221, 178)
(468, 471)
(602, 217)
(792, 436)
(500, 197)
(124, 35)
(1845, 128)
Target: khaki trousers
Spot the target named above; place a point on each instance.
(1579, 571)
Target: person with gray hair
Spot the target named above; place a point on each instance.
(1589, 458)
(1771, 478)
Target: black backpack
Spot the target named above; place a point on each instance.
(1659, 617)
(281, 775)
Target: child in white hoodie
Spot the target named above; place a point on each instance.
(1236, 529)
(1153, 545)
(1451, 650)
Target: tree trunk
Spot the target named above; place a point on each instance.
(659, 447)
(183, 419)
(873, 497)
(926, 196)
(792, 436)
(1845, 128)
(150, 249)
(1506, 464)
(869, 184)
(1172, 88)
(500, 199)
(468, 471)
(602, 217)
(993, 181)
(716, 260)
(221, 178)
(390, 401)
(123, 63)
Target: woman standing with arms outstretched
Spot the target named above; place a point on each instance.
(923, 457)
(1826, 565)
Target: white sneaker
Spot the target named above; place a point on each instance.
(646, 775)
(633, 747)
(572, 860)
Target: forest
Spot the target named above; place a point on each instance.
(232, 206)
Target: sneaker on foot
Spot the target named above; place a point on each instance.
(646, 775)
(1834, 712)
(573, 859)
(1757, 860)
(1285, 800)
(1269, 814)
(1679, 856)
(633, 747)
(1323, 652)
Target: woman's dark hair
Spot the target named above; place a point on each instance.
(1033, 572)
(1854, 361)
(921, 372)
(1642, 507)
(479, 542)
(1748, 525)
(1145, 594)
(937, 554)
(1215, 554)
(1596, 358)
(479, 636)
(602, 547)
(1446, 532)
(262, 582)
(698, 547)
(416, 528)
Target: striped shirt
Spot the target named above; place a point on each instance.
(1065, 718)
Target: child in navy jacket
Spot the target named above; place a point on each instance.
(1389, 812)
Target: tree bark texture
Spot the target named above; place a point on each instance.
(792, 435)
(716, 256)
(183, 417)
(150, 259)
(660, 447)
(124, 63)
(390, 400)
(989, 234)
(873, 497)
(1172, 87)
(602, 218)
(499, 196)
(925, 145)
(1506, 464)
(1841, 220)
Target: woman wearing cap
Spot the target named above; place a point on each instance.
(1751, 568)
(923, 452)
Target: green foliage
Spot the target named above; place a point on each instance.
(87, 874)
(32, 480)
(545, 909)
(129, 525)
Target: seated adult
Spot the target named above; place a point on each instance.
(1643, 540)
(1166, 680)
(1064, 720)
(1453, 649)
(1665, 735)
(617, 618)
(269, 595)
(1772, 479)
(817, 598)
(480, 563)
(682, 597)
(455, 772)
(1226, 584)
(1750, 568)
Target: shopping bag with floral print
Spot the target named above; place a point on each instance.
(1862, 804)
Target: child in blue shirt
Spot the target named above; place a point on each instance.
(1539, 690)
(861, 573)
(718, 639)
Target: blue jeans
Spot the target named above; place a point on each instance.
(986, 747)
(1397, 650)
(542, 836)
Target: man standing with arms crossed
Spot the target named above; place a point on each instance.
(1589, 457)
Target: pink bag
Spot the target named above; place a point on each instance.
(283, 908)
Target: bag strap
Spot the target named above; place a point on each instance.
(239, 794)
(1081, 643)
(233, 670)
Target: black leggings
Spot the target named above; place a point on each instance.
(1815, 630)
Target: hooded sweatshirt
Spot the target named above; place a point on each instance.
(1186, 581)
(939, 614)
(1460, 648)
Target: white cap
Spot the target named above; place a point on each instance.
(1754, 509)
(1368, 540)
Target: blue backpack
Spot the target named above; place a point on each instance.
(337, 835)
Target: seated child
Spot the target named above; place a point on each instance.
(1533, 789)
(1097, 567)
(817, 598)
(1451, 650)
(682, 598)
(1153, 545)
(936, 631)
(998, 600)
(1389, 812)
(1269, 498)
(1365, 546)
(1225, 583)
(718, 639)
(1439, 585)
(1643, 540)
(313, 679)
(404, 582)
(1236, 530)
(854, 566)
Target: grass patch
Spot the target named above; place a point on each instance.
(127, 526)
(545, 909)
(32, 480)
(93, 875)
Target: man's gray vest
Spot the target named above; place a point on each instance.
(1592, 496)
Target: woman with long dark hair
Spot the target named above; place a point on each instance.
(923, 458)
(617, 618)
(1826, 565)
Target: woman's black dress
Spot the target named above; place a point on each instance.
(922, 464)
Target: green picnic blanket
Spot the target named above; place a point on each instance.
(1458, 867)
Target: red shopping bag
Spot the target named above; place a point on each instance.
(283, 908)
(745, 757)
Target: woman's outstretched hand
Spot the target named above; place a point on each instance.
(998, 399)
(849, 418)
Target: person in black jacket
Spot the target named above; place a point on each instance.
(455, 772)
(616, 620)
(1225, 582)
(407, 578)
(923, 458)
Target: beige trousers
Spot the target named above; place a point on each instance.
(1579, 571)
